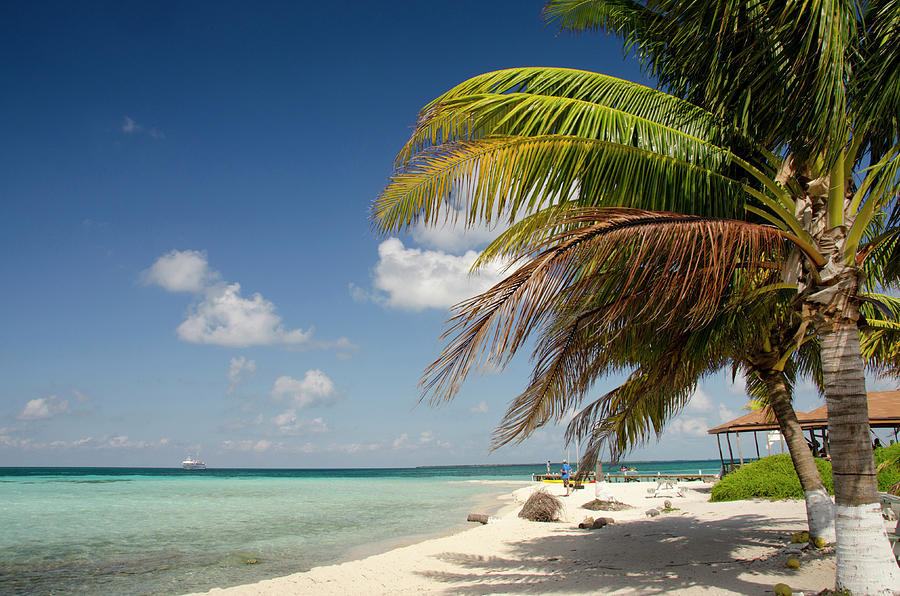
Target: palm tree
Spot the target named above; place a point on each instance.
(774, 112)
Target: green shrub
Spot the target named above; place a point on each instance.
(891, 474)
(771, 477)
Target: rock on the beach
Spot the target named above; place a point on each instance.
(652, 512)
(587, 524)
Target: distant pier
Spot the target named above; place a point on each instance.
(629, 477)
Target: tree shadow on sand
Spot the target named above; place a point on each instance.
(669, 553)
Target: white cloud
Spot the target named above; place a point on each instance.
(454, 237)
(739, 386)
(181, 271)
(315, 388)
(351, 448)
(357, 293)
(425, 439)
(700, 402)
(725, 414)
(81, 397)
(288, 423)
(260, 446)
(236, 368)
(225, 318)
(692, 427)
(116, 442)
(44, 407)
(221, 316)
(130, 127)
(415, 279)
(481, 408)
(428, 437)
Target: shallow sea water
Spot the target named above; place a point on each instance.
(141, 531)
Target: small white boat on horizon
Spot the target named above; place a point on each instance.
(193, 464)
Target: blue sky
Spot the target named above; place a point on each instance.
(188, 261)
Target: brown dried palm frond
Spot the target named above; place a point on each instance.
(574, 352)
(645, 267)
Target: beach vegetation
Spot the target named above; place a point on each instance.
(887, 462)
(771, 477)
(768, 165)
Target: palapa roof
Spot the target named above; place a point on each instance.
(884, 411)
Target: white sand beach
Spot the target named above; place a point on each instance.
(702, 548)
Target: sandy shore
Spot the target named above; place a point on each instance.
(702, 548)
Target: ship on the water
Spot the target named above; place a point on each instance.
(193, 464)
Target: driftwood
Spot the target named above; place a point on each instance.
(477, 517)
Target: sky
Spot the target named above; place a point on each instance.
(189, 263)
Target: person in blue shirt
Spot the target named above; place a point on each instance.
(566, 470)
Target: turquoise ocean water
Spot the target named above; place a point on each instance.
(168, 531)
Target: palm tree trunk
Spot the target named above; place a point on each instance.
(865, 563)
(819, 508)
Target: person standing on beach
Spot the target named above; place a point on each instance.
(566, 469)
(548, 466)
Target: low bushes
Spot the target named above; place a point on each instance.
(771, 477)
(890, 475)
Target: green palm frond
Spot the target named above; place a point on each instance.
(592, 88)
(760, 65)
(530, 115)
(494, 177)
(499, 103)
(878, 77)
(879, 337)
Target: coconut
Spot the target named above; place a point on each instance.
(792, 563)
(783, 590)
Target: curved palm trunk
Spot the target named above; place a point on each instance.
(819, 508)
(865, 563)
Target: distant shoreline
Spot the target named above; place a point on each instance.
(325, 469)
